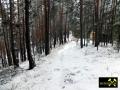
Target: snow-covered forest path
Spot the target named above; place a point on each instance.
(69, 68)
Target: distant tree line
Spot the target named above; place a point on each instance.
(99, 19)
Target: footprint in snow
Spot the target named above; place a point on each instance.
(49, 79)
(78, 71)
(63, 87)
(56, 69)
(69, 78)
(68, 81)
(72, 74)
(86, 68)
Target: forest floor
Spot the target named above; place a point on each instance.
(69, 67)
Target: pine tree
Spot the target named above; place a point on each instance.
(27, 34)
(81, 23)
(47, 11)
(12, 41)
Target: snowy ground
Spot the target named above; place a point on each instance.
(69, 68)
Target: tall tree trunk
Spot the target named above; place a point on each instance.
(54, 32)
(27, 34)
(15, 61)
(96, 23)
(23, 39)
(20, 33)
(3, 15)
(81, 23)
(113, 18)
(46, 9)
(61, 23)
(66, 23)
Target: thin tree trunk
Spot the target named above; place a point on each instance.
(81, 23)
(96, 23)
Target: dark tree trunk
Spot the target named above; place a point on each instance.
(65, 32)
(27, 34)
(15, 61)
(96, 23)
(54, 32)
(81, 23)
(61, 23)
(46, 9)
(24, 45)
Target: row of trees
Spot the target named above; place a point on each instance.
(99, 19)
(30, 27)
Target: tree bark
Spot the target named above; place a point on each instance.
(27, 34)
(12, 41)
(46, 9)
(4, 35)
(81, 23)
